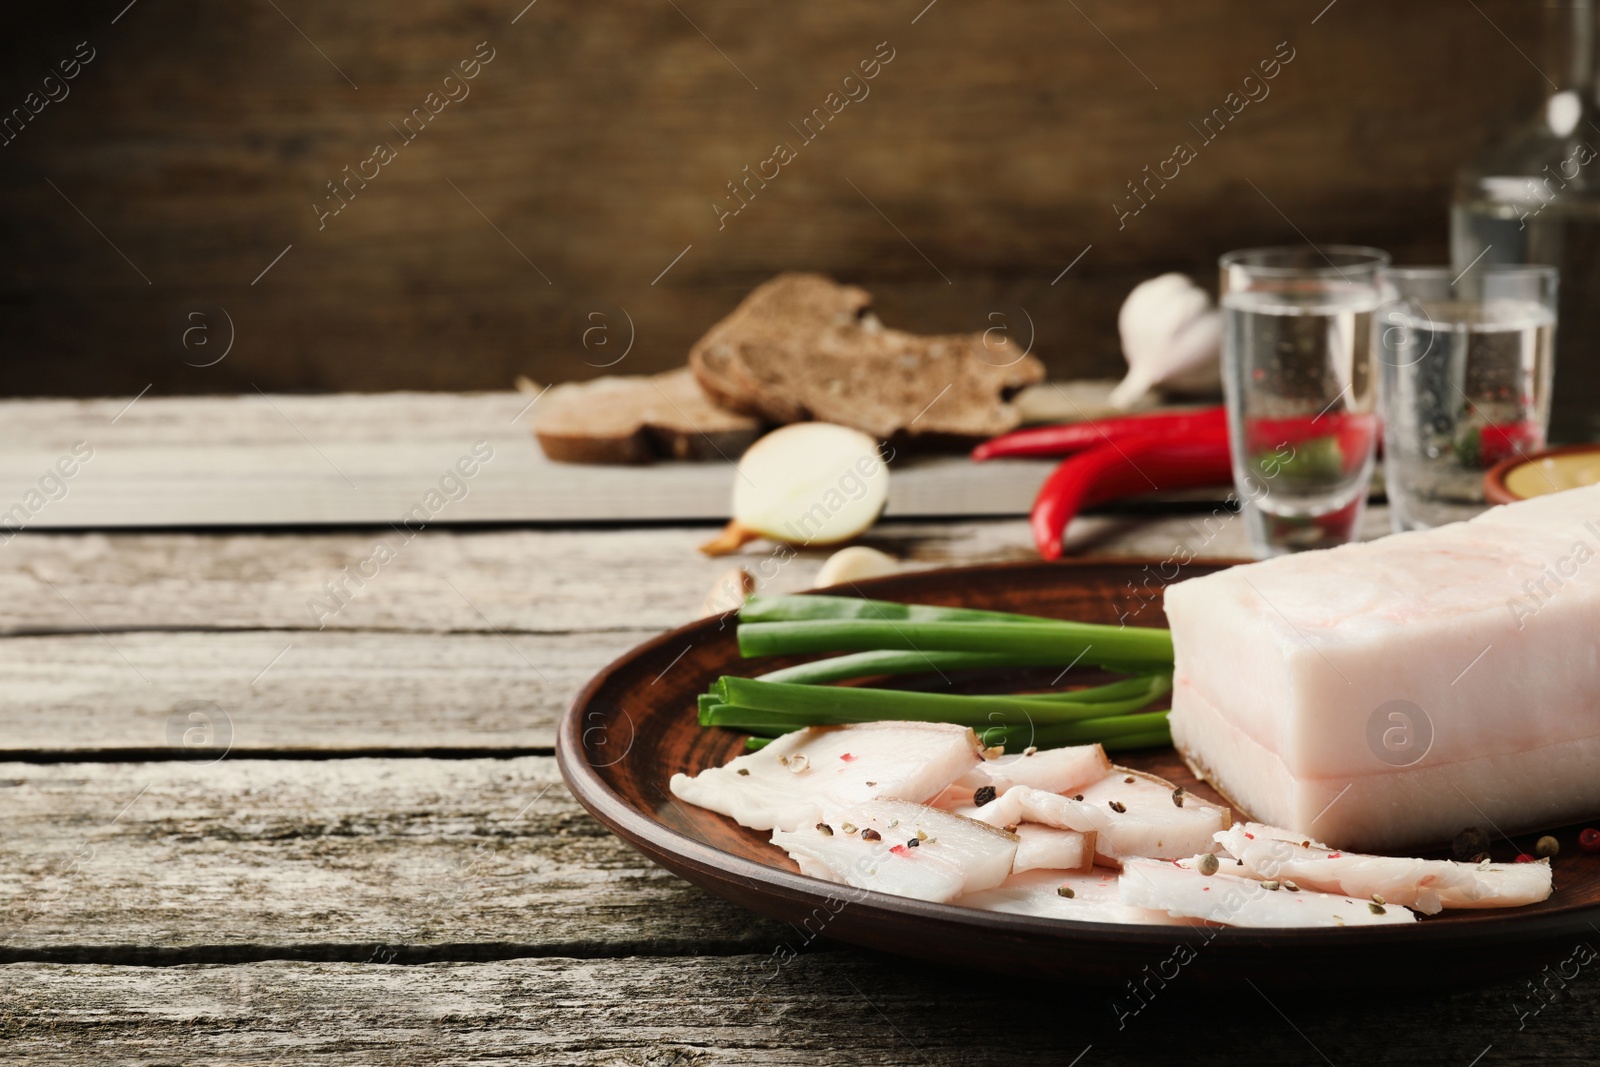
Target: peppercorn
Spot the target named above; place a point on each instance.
(826, 830)
(1118, 807)
(983, 794)
(1177, 797)
(1208, 864)
(1065, 891)
(1470, 845)
(1546, 847)
(869, 834)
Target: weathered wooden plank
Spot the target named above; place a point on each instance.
(406, 459)
(840, 1007)
(330, 691)
(250, 419)
(332, 857)
(553, 581)
(534, 581)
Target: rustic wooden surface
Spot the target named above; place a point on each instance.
(384, 866)
(591, 150)
(832, 1007)
(264, 461)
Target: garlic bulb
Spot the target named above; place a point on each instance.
(1170, 334)
(810, 483)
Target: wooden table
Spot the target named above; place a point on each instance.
(230, 836)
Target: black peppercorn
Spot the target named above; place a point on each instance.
(1470, 845)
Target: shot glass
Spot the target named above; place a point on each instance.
(1466, 368)
(1299, 371)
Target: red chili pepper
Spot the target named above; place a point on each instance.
(1126, 468)
(1070, 437)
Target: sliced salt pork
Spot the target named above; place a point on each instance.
(1384, 695)
(910, 850)
(1055, 770)
(793, 780)
(1048, 848)
(1426, 885)
(1225, 898)
(1131, 814)
(1092, 896)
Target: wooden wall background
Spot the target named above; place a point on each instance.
(601, 133)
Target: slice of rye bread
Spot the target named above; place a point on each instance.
(639, 418)
(802, 346)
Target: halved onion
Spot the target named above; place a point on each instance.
(809, 483)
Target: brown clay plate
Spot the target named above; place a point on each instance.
(634, 726)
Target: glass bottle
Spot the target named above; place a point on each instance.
(1535, 198)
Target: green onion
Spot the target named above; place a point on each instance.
(1066, 642)
(1158, 683)
(873, 664)
(746, 703)
(881, 639)
(1016, 736)
(1153, 739)
(801, 608)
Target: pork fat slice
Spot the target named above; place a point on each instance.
(1148, 824)
(791, 782)
(1226, 898)
(1095, 898)
(1055, 770)
(1426, 885)
(1045, 847)
(917, 851)
(1384, 695)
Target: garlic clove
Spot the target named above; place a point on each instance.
(1171, 334)
(854, 564)
(728, 593)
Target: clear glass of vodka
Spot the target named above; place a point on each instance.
(1466, 369)
(1534, 197)
(1299, 370)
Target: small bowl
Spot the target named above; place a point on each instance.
(1548, 471)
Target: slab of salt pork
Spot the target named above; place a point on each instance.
(1389, 694)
